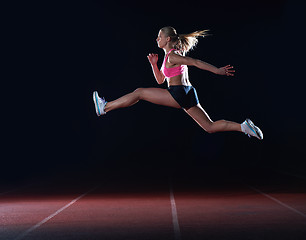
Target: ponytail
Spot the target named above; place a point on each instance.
(187, 42)
(184, 42)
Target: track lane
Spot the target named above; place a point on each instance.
(102, 215)
(23, 208)
(218, 209)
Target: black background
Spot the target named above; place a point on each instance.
(57, 53)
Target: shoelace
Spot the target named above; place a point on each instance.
(101, 100)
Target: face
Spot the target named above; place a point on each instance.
(161, 40)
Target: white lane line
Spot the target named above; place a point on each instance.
(279, 202)
(22, 235)
(176, 226)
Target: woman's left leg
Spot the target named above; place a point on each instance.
(202, 118)
(154, 95)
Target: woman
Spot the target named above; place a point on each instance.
(180, 93)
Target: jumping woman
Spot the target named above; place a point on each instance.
(180, 92)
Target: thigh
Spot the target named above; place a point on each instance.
(158, 96)
(200, 116)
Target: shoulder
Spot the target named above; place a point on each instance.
(176, 58)
(174, 55)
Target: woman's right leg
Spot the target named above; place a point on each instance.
(202, 118)
(153, 95)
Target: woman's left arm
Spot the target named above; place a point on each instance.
(181, 60)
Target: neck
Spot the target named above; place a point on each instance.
(168, 48)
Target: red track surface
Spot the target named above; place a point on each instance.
(140, 210)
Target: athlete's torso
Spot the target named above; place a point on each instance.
(175, 74)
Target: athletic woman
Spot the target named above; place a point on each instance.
(180, 92)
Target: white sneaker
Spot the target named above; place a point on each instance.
(249, 128)
(99, 104)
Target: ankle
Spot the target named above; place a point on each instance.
(106, 107)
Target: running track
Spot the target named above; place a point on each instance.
(266, 205)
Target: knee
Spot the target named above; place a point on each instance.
(210, 128)
(210, 131)
(139, 92)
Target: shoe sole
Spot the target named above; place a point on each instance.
(95, 99)
(255, 129)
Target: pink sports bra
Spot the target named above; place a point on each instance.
(174, 71)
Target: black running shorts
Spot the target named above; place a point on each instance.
(186, 96)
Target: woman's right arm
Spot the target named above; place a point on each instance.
(159, 76)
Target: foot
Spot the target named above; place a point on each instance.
(249, 128)
(99, 104)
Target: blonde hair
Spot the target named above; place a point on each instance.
(184, 42)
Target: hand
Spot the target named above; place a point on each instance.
(153, 58)
(227, 70)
